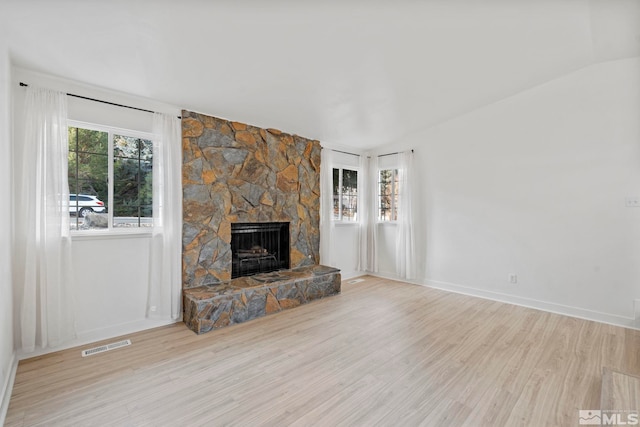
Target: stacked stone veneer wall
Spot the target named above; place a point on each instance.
(233, 172)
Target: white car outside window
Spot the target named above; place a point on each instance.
(83, 204)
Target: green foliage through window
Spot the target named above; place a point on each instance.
(88, 162)
(388, 195)
(132, 177)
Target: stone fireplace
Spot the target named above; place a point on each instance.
(235, 173)
(260, 247)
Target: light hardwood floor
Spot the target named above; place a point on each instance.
(620, 391)
(381, 353)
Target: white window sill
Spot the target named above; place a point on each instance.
(106, 234)
(387, 222)
(346, 223)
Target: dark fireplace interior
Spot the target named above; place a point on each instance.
(259, 247)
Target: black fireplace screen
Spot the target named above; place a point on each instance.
(259, 248)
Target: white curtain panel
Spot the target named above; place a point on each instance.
(327, 226)
(405, 247)
(165, 276)
(368, 260)
(363, 212)
(44, 278)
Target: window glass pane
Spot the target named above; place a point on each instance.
(385, 186)
(349, 195)
(336, 193)
(125, 187)
(88, 141)
(132, 182)
(146, 189)
(88, 176)
(395, 195)
(130, 147)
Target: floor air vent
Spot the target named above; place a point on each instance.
(103, 348)
(351, 282)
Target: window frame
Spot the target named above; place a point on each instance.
(341, 167)
(110, 230)
(394, 195)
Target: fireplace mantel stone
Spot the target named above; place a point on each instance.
(222, 304)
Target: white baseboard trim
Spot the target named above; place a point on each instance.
(390, 276)
(94, 335)
(351, 274)
(7, 388)
(551, 307)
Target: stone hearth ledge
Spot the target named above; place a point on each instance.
(218, 305)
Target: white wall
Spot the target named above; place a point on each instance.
(112, 273)
(7, 353)
(112, 276)
(345, 243)
(535, 185)
(386, 251)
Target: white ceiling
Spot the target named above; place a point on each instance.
(349, 73)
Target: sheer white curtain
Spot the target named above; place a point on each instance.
(165, 276)
(368, 260)
(44, 278)
(405, 247)
(327, 226)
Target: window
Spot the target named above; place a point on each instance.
(110, 178)
(388, 195)
(345, 194)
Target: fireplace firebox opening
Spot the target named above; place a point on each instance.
(259, 247)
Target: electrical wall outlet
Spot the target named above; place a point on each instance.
(513, 278)
(632, 202)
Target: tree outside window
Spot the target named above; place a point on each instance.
(132, 173)
(388, 195)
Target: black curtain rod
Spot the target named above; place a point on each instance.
(103, 102)
(391, 154)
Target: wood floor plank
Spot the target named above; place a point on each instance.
(382, 353)
(620, 391)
